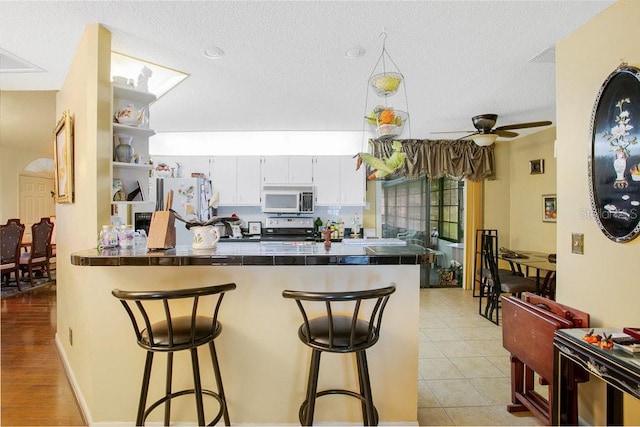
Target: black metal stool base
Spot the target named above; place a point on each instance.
(216, 396)
(302, 414)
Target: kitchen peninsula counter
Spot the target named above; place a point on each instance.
(264, 364)
(255, 253)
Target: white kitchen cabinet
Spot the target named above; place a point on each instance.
(300, 169)
(287, 169)
(223, 172)
(326, 179)
(337, 182)
(131, 175)
(352, 182)
(248, 183)
(236, 179)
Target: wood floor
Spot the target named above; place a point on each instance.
(35, 390)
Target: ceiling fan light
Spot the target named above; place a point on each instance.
(484, 139)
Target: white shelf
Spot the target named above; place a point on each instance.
(132, 175)
(135, 202)
(132, 94)
(124, 165)
(132, 130)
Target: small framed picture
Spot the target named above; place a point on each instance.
(536, 166)
(255, 228)
(549, 208)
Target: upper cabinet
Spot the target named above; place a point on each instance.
(248, 184)
(326, 179)
(337, 181)
(131, 133)
(353, 190)
(287, 169)
(236, 179)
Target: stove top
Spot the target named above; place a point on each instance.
(288, 228)
(289, 222)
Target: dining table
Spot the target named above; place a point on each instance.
(545, 270)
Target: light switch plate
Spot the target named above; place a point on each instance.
(577, 243)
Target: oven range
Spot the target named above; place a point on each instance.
(288, 228)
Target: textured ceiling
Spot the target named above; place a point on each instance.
(285, 66)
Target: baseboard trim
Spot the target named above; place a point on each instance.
(84, 408)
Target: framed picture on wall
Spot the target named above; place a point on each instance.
(549, 208)
(63, 159)
(255, 228)
(614, 160)
(536, 167)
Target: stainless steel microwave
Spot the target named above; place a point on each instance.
(284, 198)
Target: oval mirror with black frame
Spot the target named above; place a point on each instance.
(614, 161)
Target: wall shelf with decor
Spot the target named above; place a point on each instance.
(130, 136)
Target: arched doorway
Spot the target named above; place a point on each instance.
(35, 193)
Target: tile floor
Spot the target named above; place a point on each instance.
(464, 373)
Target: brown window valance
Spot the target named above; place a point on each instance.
(437, 158)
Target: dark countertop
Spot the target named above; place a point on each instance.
(257, 253)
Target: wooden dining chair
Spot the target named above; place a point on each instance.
(10, 238)
(52, 244)
(38, 255)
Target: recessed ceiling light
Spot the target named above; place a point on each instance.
(213, 52)
(355, 52)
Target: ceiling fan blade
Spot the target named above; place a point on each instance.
(505, 133)
(453, 131)
(467, 136)
(524, 125)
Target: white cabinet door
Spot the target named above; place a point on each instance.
(275, 170)
(326, 178)
(287, 169)
(352, 182)
(248, 183)
(222, 170)
(300, 169)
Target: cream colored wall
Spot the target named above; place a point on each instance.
(497, 197)
(513, 201)
(27, 120)
(603, 281)
(527, 230)
(369, 213)
(86, 94)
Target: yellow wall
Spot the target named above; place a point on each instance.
(526, 228)
(27, 120)
(513, 201)
(603, 281)
(496, 195)
(86, 94)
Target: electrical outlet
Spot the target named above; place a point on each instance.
(577, 243)
(71, 336)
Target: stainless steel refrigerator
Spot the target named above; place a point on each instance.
(190, 200)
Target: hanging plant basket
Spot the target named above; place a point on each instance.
(387, 122)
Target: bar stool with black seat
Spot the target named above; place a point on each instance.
(158, 330)
(341, 333)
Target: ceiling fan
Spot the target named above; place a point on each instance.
(485, 134)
